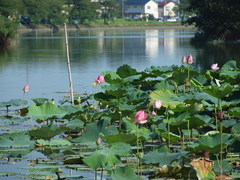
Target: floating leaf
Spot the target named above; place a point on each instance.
(13, 102)
(124, 173)
(163, 158)
(53, 142)
(46, 111)
(16, 140)
(47, 132)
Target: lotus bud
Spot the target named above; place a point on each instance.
(100, 79)
(140, 117)
(157, 104)
(184, 59)
(98, 140)
(190, 59)
(26, 88)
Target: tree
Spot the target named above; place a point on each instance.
(8, 29)
(109, 10)
(84, 10)
(215, 19)
(50, 10)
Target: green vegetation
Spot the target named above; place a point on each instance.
(159, 122)
(8, 29)
(215, 20)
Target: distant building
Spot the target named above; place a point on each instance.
(165, 9)
(140, 8)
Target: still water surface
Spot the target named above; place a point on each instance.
(38, 58)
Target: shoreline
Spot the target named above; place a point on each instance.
(23, 28)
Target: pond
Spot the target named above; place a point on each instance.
(38, 58)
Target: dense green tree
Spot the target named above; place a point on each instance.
(10, 9)
(84, 10)
(110, 9)
(8, 29)
(215, 19)
(48, 10)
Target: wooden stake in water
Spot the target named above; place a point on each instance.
(69, 66)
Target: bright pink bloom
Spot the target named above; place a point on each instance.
(190, 59)
(140, 117)
(184, 59)
(153, 113)
(215, 67)
(157, 104)
(100, 79)
(26, 88)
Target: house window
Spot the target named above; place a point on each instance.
(167, 8)
(149, 7)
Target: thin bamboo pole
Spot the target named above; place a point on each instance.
(69, 66)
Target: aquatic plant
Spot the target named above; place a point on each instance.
(151, 124)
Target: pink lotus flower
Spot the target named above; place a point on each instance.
(153, 113)
(157, 104)
(215, 67)
(100, 79)
(190, 59)
(26, 88)
(140, 117)
(184, 59)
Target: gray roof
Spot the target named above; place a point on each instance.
(136, 2)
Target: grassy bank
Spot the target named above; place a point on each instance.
(118, 23)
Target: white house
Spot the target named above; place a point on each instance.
(166, 9)
(140, 8)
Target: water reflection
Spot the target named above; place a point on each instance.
(39, 57)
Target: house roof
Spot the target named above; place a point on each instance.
(164, 3)
(136, 2)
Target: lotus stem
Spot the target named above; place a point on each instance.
(221, 148)
(102, 173)
(189, 132)
(137, 150)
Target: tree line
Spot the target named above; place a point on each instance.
(214, 20)
(59, 11)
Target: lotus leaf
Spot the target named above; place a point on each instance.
(235, 111)
(13, 102)
(53, 142)
(111, 77)
(47, 132)
(128, 138)
(46, 111)
(93, 131)
(211, 143)
(124, 173)
(230, 69)
(163, 158)
(125, 71)
(16, 140)
(165, 96)
(102, 158)
(40, 101)
(116, 90)
(218, 92)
